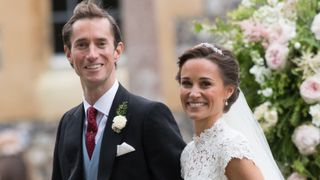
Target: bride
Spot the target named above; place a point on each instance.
(228, 143)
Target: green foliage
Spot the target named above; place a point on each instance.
(241, 13)
(122, 109)
(198, 27)
(291, 109)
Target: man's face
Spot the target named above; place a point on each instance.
(92, 52)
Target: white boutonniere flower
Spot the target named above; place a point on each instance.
(120, 121)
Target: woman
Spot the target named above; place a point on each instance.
(209, 81)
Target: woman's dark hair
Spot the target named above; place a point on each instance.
(223, 58)
(89, 10)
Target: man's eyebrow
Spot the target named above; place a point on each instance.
(80, 40)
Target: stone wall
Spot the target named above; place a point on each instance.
(25, 51)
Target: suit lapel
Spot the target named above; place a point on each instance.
(76, 129)
(110, 138)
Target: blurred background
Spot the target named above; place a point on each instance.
(38, 85)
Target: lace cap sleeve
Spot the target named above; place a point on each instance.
(237, 147)
(209, 153)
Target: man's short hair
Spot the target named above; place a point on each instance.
(89, 10)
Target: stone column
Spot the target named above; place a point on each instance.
(150, 35)
(142, 58)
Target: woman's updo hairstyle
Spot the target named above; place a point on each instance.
(223, 58)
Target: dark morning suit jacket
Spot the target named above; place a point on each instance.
(150, 129)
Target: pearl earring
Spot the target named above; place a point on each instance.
(226, 102)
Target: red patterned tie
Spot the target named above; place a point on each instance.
(91, 130)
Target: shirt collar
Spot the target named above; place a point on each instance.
(104, 103)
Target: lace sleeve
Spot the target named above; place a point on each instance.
(183, 159)
(237, 147)
(207, 156)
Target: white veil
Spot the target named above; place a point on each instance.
(240, 118)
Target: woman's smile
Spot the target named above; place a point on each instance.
(195, 104)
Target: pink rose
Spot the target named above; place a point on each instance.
(276, 56)
(315, 27)
(310, 89)
(281, 33)
(306, 138)
(253, 32)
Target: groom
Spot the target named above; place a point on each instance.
(112, 134)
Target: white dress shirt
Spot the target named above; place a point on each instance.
(102, 106)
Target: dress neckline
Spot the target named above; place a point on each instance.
(209, 133)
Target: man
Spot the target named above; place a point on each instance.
(113, 134)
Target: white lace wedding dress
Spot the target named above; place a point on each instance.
(206, 157)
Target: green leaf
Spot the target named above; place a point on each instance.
(122, 109)
(198, 27)
(298, 166)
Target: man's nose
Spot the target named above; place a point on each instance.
(93, 52)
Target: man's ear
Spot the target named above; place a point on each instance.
(118, 51)
(67, 52)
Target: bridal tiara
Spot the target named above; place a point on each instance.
(208, 45)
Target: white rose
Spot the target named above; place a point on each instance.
(315, 27)
(271, 117)
(260, 110)
(314, 111)
(306, 138)
(119, 122)
(265, 126)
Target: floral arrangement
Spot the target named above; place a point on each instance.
(277, 43)
(120, 121)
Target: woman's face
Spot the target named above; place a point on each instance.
(202, 91)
